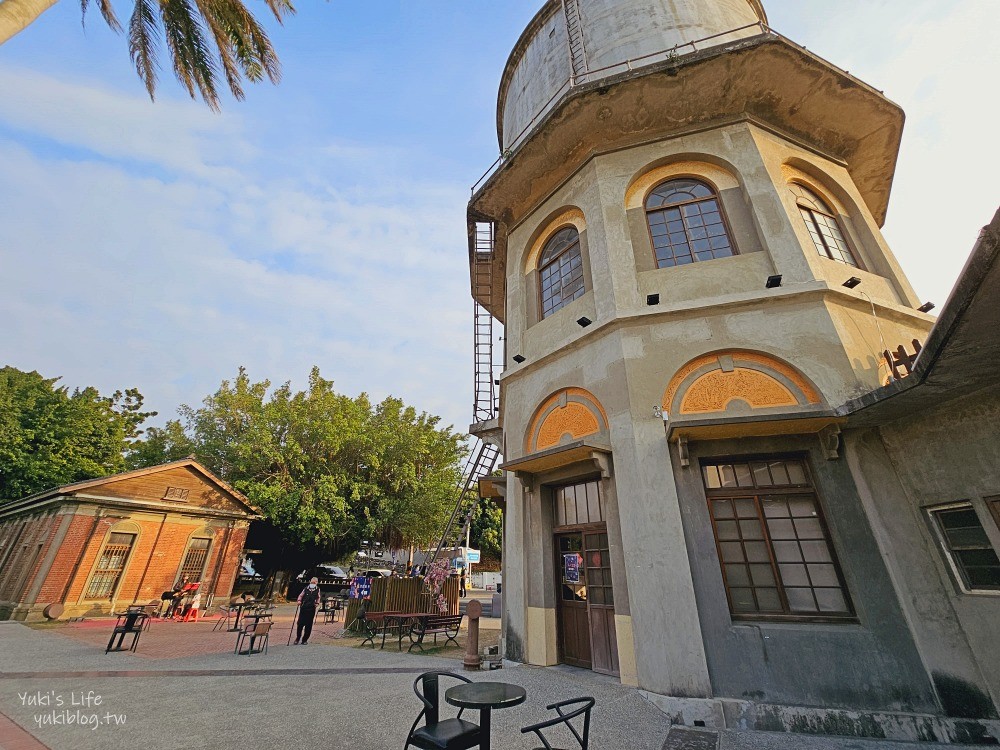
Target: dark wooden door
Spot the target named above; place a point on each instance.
(574, 622)
(600, 603)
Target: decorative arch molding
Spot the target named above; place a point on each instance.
(571, 216)
(719, 177)
(567, 415)
(737, 381)
(822, 184)
(123, 527)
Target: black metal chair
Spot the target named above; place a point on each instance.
(129, 623)
(225, 614)
(585, 705)
(438, 734)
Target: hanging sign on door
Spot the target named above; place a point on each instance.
(571, 567)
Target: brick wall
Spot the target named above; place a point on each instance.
(152, 566)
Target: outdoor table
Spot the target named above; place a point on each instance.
(485, 696)
(375, 619)
(239, 607)
(400, 619)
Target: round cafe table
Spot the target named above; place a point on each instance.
(485, 696)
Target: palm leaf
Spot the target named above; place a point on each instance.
(106, 10)
(280, 7)
(219, 24)
(142, 42)
(193, 61)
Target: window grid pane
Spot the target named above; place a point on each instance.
(578, 504)
(826, 236)
(110, 565)
(561, 271)
(194, 559)
(774, 550)
(969, 547)
(685, 224)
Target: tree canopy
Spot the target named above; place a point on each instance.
(50, 436)
(325, 469)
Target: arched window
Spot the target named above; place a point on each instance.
(822, 226)
(560, 271)
(686, 224)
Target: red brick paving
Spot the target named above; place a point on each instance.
(12, 737)
(172, 639)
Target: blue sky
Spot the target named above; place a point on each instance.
(321, 221)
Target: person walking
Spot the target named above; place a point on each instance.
(462, 582)
(308, 600)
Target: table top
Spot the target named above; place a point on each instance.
(485, 695)
(405, 615)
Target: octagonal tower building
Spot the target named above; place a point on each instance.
(687, 261)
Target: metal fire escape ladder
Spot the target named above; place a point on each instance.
(484, 456)
(480, 465)
(484, 406)
(574, 32)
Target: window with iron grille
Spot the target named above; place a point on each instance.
(686, 223)
(560, 271)
(965, 541)
(822, 225)
(194, 559)
(110, 566)
(774, 548)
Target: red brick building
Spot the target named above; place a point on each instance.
(102, 544)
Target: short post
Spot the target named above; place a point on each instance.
(473, 611)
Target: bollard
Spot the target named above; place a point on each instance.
(473, 611)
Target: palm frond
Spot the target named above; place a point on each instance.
(143, 44)
(258, 54)
(107, 10)
(247, 40)
(193, 60)
(219, 23)
(280, 7)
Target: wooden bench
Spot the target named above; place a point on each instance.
(447, 625)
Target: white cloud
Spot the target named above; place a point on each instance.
(131, 263)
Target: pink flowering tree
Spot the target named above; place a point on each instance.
(435, 577)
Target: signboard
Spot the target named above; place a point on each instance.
(472, 555)
(571, 567)
(361, 588)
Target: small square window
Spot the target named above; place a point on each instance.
(968, 546)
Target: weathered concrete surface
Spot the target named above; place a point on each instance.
(607, 33)
(694, 739)
(333, 697)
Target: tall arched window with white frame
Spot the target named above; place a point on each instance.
(560, 271)
(822, 225)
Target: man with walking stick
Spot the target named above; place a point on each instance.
(308, 600)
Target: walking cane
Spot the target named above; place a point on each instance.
(291, 629)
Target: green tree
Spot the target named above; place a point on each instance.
(50, 436)
(326, 470)
(202, 37)
(486, 533)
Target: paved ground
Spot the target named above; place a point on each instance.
(184, 688)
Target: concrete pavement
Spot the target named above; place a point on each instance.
(184, 688)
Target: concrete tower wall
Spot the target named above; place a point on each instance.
(612, 33)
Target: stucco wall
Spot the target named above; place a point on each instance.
(871, 664)
(684, 643)
(948, 454)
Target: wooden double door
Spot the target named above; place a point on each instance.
(586, 600)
